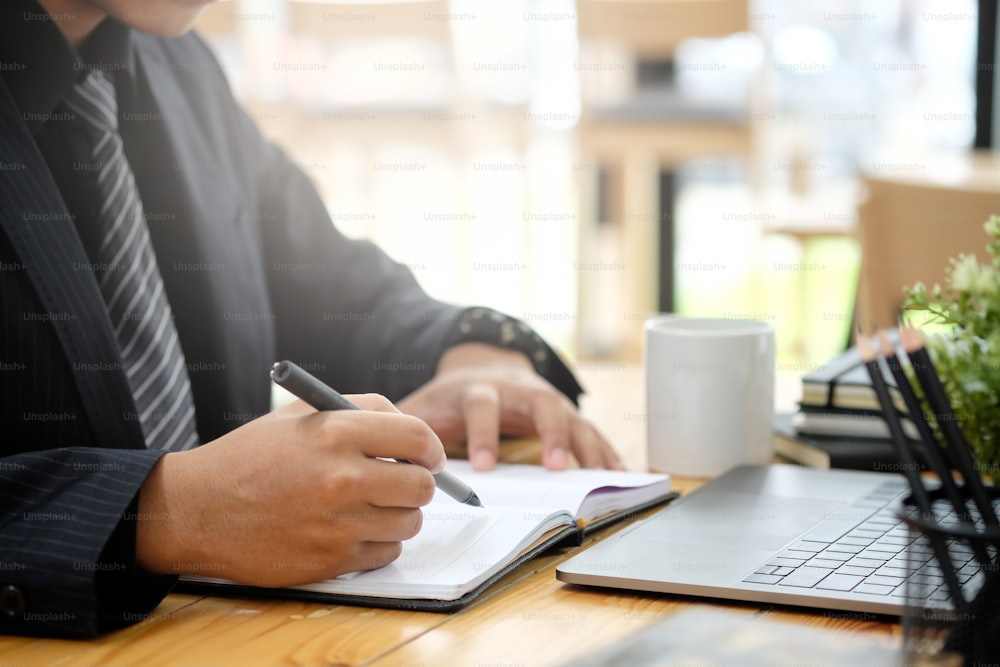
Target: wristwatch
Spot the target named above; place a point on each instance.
(485, 325)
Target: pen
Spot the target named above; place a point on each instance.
(300, 382)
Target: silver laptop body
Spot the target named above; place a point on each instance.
(765, 534)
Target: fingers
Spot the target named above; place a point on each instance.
(296, 408)
(481, 410)
(373, 555)
(381, 434)
(591, 448)
(612, 460)
(376, 527)
(373, 402)
(511, 408)
(586, 444)
(391, 484)
(485, 409)
(552, 422)
(561, 429)
(392, 524)
(376, 532)
(363, 557)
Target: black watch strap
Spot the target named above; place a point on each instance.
(485, 325)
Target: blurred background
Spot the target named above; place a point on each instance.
(584, 165)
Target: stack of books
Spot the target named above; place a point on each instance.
(839, 422)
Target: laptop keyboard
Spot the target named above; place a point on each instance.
(865, 548)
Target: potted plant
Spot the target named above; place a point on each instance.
(967, 353)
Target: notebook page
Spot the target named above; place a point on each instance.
(518, 485)
(458, 548)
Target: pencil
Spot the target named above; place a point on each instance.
(931, 448)
(909, 466)
(310, 389)
(938, 401)
(919, 493)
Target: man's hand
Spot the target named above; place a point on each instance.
(480, 392)
(293, 497)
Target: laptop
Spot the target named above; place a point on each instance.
(780, 534)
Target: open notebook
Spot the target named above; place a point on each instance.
(461, 550)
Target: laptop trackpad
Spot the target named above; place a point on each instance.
(728, 518)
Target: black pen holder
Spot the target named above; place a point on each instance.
(947, 549)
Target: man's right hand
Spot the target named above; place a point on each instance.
(293, 497)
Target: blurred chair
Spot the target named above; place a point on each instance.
(918, 214)
(640, 141)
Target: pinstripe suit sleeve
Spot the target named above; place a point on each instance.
(67, 519)
(55, 507)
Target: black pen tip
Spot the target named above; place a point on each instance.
(474, 501)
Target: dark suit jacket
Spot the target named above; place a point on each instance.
(255, 272)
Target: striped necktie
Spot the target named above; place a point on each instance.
(128, 276)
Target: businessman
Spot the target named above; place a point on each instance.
(156, 257)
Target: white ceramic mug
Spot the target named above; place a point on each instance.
(709, 394)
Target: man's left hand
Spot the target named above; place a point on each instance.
(481, 392)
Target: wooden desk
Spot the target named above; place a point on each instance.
(527, 619)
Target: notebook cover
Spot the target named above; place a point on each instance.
(847, 369)
(412, 604)
(820, 451)
(569, 537)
